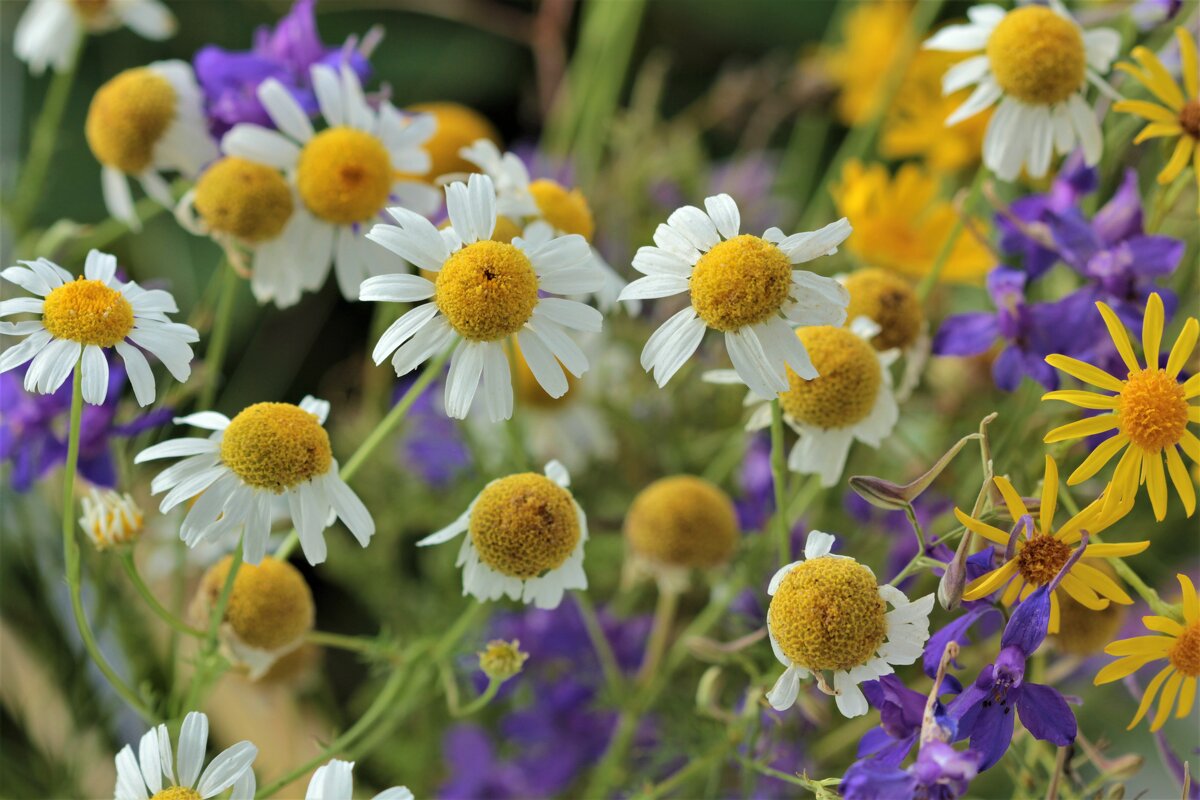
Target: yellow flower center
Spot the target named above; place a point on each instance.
(276, 446)
(344, 175)
(742, 281)
(1037, 56)
(127, 118)
(682, 521)
(1040, 559)
(457, 127)
(1153, 409)
(530, 392)
(1185, 653)
(524, 525)
(87, 312)
(568, 211)
(487, 290)
(176, 793)
(1082, 631)
(890, 302)
(244, 199)
(848, 382)
(1189, 118)
(270, 606)
(827, 614)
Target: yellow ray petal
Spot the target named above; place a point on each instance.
(1190, 445)
(1115, 549)
(1182, 481)
(1123, 488)
(1157, 130)
(1193, 415)
(989, 532)
(1049, 495)
(1121, 668)
(1152, 330)
(1161, 83)
(1180, 157)
(1188, 61)
(1100, 583)
(1191, 387)
(1088, 426)
(1055, 613)
(1166, 703)
(986, 584)
(1116, 329)
(1081, 370)
(1184, 344)
(1013, 591)
(1147, 110)
(1187, 696)
(1083, 399)
(1148, 697)
(1157, 646)
(1082, 593)
(1163, 625)
(1156, 484)
(1191, 603)
(1097, 459)
(1012, 498)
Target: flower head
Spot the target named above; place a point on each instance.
(683, 522)
(110, 518)
(502, 660)
(458, 128)
(49, 31)
(335, 781)
(940, 772)
(860, 64)
(184, 781)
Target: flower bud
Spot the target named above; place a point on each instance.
(501, 660)
(110, 518)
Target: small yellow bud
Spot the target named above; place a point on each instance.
(501, 660)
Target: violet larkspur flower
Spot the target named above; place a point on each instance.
(230, 78)
(901, 711)
(1073, 181)
(939, 773)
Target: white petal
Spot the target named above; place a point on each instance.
(542, 363)
(850, 699)
(497, 383)
(463, 379)
(284, 111)
(1088, 129)
(752, 364)
(193, 741)
(657, 261)
(309, 509)
(329, 94)
(695, 226)
(725, 215)
(19, 354)
(208, 420)
(653, 286)
(570, 314)
(817, 544)
(226, 769)
(802, 247)
(964, 73)
(149, 760)
(95, 375)
(117, 197)
(984, 97)
(350, 509)
(259, 144)
(434, 338)
(415, 239)
(669, 347)
(560, 344)
(783, 694)
(27, 279)
(396, 289)
(447, 533)
(130, 785)
(402, 330)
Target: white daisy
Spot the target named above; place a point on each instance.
(525, 537)
(344, 175)
(141, 777)
(334, 781)
(891, 302)
(741, 285)
(485, 292)
(851, 399)
(1036, 63)
(828, 614)
(268, 451)
(79, 318)
(142, 123)
(49, 32)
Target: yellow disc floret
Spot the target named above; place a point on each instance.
(487, 290)
(270, 606)
(176, 793)
(568, 211)
(682, 521)
(457, 127)
(1041, 558)
(1037, 56)
(827, 614)
(127, 118)
(524, 525)
(848, 382)
(889, 301)
(344, 175)
(88, 312)
(276, 446)
(245, 199)
(1153, 409)
(1184, 655)
(742, 281)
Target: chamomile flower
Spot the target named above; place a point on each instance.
(49, 32)
(80, 318)
(742, 285)
(829, 614)
(142, 123)
(1150, 410)
(850, 399)
(1035, 558)
(890, 302)
(484, 292)
(142, 774)
(110, 519)
(525, 537)
(680, 523)
(458, 126)
(1037, 63)
(269, 451)
(1179, 644)
(344, 175)
(334, 781)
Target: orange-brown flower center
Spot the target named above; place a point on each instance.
(1185, 654)
(1153, 409)
(1189, 118)
(1041, 558)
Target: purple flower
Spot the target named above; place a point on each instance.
(432, 444)
(1073, 182)
(474, 770)
(230, 79)
(756, 503)
(1149, 14)
(901, 711)
(939, 773)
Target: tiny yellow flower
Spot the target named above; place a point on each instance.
(502, 660)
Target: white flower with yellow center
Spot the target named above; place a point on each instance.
(344, 175)
(141, 775)
(829, 615)
(142, 123)
(741, 285)
(891, 302)
(851, 399)
(110, 519)
(49, 32)
(267, 452)
(1037, 63)
(484, 292)
(335, 781)
(82, 317)
(525, 536)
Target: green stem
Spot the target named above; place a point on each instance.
(208, 654)
(713, 756)
(911, 513)
(939, 263)
(152, 602)
(214, 358)
(600, 643)
(660, 633)
(779, 479)
(72, 559)
(110, 230)
(341, 641)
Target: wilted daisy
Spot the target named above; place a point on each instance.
(890, 302)
(82, 317)
(110, 518)
(49, 32)
(1149, 410)
(525, 537)
(334, 781)
(344, 175)
(1179, 644)
(828, 614)
(680, 523)
(484, 292)
(143, 774)
(741, 285)
(268, 452)
(850, 399)
(142, 123)
(1036, 551)
(1037, 63)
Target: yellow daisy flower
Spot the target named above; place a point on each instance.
(861, 63)
(1034, 559)
(1177, 114)
(1180, 646)
(1149, 411)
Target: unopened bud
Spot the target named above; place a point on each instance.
(954, 579)
(110, 518)
(501, 660)
(892, 496)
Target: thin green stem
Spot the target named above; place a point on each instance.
(341, 641)
(911, 513)
(779, 479)
(600, 643)
(214, 358)
(152, 602)
(208, 654)
(939, 263)
(660, 633)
